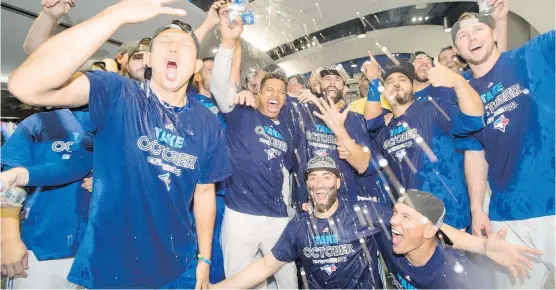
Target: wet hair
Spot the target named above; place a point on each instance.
(274, 76)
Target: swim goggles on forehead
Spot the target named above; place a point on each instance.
(177, 24)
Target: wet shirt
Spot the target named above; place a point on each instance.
(421, 152)
(518, 94)
(148, 160)
(338, 252)
(54, 214)
(260, 148)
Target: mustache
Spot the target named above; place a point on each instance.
(315, 188)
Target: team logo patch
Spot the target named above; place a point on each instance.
(329, 269)
(271, 154)
(400, 155)
(166, 179)
(501, 123)
(321, 153)
(407, 278)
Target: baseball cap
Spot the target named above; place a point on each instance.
(91, 63)
(471, 18)
(430, 207)
(177, 24)
(127, 47)
(336, 69)
(404, 67)
(321, 163)
(416, 54)
(143, 45)
(299, 78)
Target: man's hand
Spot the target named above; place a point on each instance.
(203, 271)
(14, 258)
(441, 76)
(511, 256)
(229, 33)
(88, 184)
(371, 68)
(245, 98)
(500, 11)
(306, 96)
(135, 11)
(330, 114)
(14, 177)
(480, 222)
(57, 8)
(212, 15)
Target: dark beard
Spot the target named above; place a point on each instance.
(402, 100)
(333, 195)
(339, 94)
(421, 80)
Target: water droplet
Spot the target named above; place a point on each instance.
(383, 162)
(458, 268)
(526, 91)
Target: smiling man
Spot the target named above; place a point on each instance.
(155, 148)
(337, 243)
(517, 89)
(262, 156)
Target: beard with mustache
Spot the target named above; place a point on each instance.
(332, 195)
(420, 79)
(402, 98)
(337, 98)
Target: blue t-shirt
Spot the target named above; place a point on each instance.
(148, 160)
(54, 216)
(319, 140)
(441, 171)
(338, 252)
(518, 93)
(446, 269)
(259, 148)
(210, 104)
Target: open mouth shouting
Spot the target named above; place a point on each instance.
(273, 106)
(171, 70)
(397, 237)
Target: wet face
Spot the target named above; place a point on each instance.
(323, 189)
(206, 72)
(173, 59)
(137, 65)
(475, 43)
(294, 86)
(449, 59)
(332, 87)
(363, 87)
(272, 98)
(398, 89)
(422, 64)
(408, 229)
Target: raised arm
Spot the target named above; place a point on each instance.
(211, 20)
(43, 78)
(221, 80)
(253, 274)
(45, 25)
(500, 15)
(371, 69)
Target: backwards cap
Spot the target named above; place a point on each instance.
(176, 24)
(471, 18)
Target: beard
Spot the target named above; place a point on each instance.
(421, 79)
(332, 195)
(403, 99)
(490, 50)
(335, 99)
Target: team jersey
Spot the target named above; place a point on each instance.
(338, 252)
(56, 209)
(261, 149)
(149, 157)
(210, 104)
(319, 140)
(446, 269)
(421, 152)
(518, 94)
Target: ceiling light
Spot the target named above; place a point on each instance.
(353, 64)
(413, 19)
(427, 18)
(421, 18)
(447, 27)
(303, 47)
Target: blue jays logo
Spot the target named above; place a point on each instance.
(321, 153)
(329, 269)
(400, 155)
(501, 123)
(166, 179)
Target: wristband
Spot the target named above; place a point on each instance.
(374, 94)
(203, 259)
